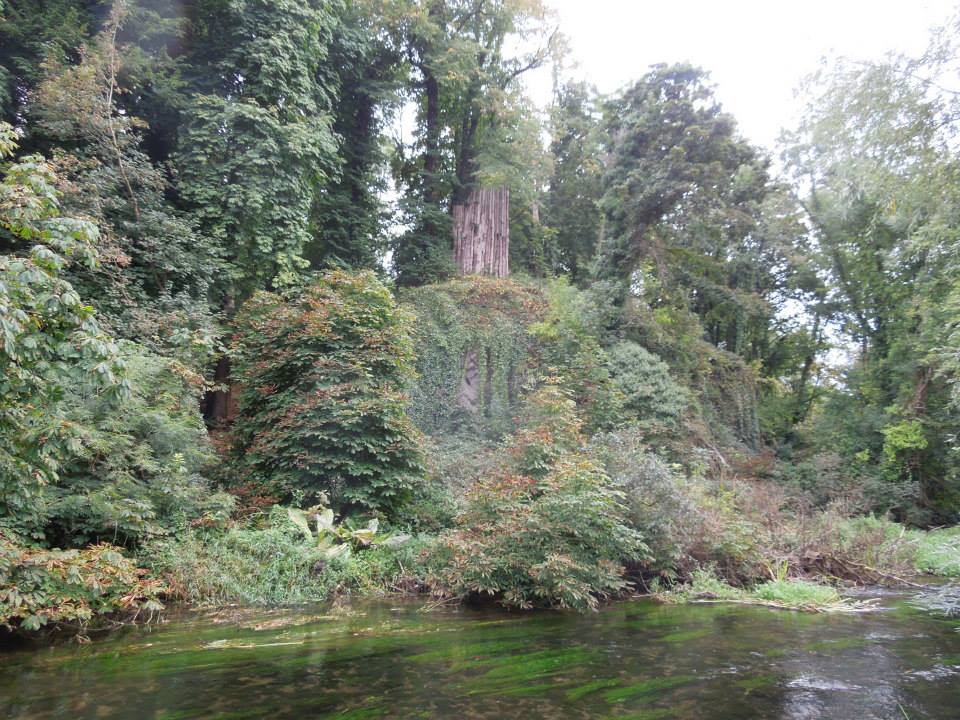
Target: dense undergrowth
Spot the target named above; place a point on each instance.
(589, 496)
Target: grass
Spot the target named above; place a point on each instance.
(787, 593)
(938, 551)
(800, 594)
(271, 565)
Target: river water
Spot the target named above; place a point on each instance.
(391, 660)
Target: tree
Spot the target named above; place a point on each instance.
(322, 408)
(50, 337)
(876, 160)
(572, 209)
(466, 94)
(257, 142)
(155, 269)
(349, 218)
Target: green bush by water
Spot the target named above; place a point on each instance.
(269, 561)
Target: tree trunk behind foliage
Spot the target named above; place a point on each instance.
(481, 246)
(469, 395)
(481, 233)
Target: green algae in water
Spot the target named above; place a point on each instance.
(591, 687)
(387, 662)
(651, 714)
(683, 637)
(835, 645)
(472, 650)
(647, 687)
(748, 685)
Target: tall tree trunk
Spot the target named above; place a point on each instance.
(481, 233)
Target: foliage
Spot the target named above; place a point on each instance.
(569, 341)
(488, 316)
(644, 380)
(465, 72)
(657, 503)
(875, 158)
(572, 206)
(41, 587)
(257, 142)
(938, 552)
(138, 472)
(50, 338)
(155, 268)
(322, 407)
(552, 538)
(270, 561)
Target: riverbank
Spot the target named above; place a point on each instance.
(269, 560)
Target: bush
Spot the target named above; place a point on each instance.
(322, 408)
(553, 537)
(655, 498)
(138, 470)
(41, 587)
(649, 392)
(49, 338)
(270, 561)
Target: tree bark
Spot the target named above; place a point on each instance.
(481, 233)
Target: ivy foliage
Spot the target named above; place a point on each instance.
(484, 315)
(257, 145)
(322, 409)
(569, 338)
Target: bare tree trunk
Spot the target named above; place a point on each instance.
(481, 233)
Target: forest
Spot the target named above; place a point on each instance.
(304, 300)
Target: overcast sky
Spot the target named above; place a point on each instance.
(757, 51)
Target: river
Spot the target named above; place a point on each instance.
(388, 659)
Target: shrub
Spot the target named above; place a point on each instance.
(557, 542)
(271, 561)
(649, 392)
(322, 408)
(553, 537)
(655, 498)
(41, 587)
(138, 469)
(49, 338)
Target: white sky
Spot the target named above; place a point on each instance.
(756, 51)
